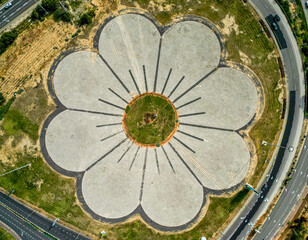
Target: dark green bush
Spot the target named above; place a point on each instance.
(50, 5)
(7, 39)
(86, 18)
(2, 99)
(38, 14)
(61, 15)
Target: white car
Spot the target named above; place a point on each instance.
(7, 6)
(306, 3)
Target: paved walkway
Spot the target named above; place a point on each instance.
(167, 185)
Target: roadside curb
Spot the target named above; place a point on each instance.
(10, 230)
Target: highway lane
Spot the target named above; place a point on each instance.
(17, 8)
(288, 198)
(241, 226)
(19, 226)
(41, 221)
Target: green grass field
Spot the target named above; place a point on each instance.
(154, 131)
(5, 235)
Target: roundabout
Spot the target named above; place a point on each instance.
(152, 121)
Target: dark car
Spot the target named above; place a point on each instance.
(7, 6)
(277, 18)
(306, 3)
(274, 25)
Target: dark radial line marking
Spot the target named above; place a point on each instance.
(145, 78)
(125, 153)
(132, 76)
(94, 112)
(186, 165)
(143, 174)
(176, 86)
(201, 126)
(168, 159)
(112, 135)
(101, 158)
(157, 65)
(134, 158)
(111, 104)
(183, 144)
(192, 101)
(192, 114)
(108, 124)
(113, 72)
(117, 95)
(189, 135)
(194, 85)
(162, 92)
(157, 164)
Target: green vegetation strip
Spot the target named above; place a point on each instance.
(150, 119)
(5, 235)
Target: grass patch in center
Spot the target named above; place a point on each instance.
(150, 119)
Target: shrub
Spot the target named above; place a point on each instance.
(7, 39)
(50, 5)
(2, 99)
(61, 15)
(86, 18)
(38, 14)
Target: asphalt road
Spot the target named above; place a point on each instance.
(19, 226)
(288, 198)
(242, 226)
(17, 8)
(39, 220)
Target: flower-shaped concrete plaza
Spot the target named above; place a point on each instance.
(167, 184)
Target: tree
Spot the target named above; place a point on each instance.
(50, 5)
(2, 99)
(61, 15)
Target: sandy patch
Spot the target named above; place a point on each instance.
(244, 58)
(8, 153)
(31, 52)
(214, 9)
(229, 25)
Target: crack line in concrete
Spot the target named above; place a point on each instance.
(192, 101)
(194, 85)
(183, 144)
(145, 78)
(157, 65)
(117, 95)
(187, 134)
(176, 86)
(136, 85)
(116, 76)
(143, 174)
(111, 104)
(162, 92)
(168, 159)
(112, 135)
(134, 158)
(192, 114)
(94, 112)
(157, 163)
(101, 158)
(125, 153)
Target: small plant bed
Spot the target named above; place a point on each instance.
(150, 119)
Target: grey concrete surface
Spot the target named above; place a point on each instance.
(168, 185)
